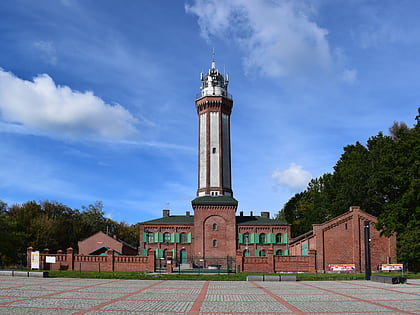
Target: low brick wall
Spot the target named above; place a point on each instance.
(277, 264)
(108, 262)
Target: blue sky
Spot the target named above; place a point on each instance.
(97, 97)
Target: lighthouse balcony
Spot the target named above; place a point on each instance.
(211, 93)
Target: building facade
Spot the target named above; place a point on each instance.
(340, 241)
(214, 231)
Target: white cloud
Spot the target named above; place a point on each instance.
(295, 177)
(278, 38)
(349, 75)
(43, 106)
(47, 50)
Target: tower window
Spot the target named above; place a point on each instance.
(262, 238)
(214, 243)
(214, 150)
(214, 227)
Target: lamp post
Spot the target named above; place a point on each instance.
(368, 270)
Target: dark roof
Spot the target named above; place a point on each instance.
(256, 220)
(215, 201)
(172, 219)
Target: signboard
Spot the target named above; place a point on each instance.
(35, 260)
(392, 267)
(50, 259)
(341, 267)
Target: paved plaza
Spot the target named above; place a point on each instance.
(109, 297)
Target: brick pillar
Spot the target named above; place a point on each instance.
(169, 266)
(110, 259)
(70, 258)
(270, 260)
(239, 261)
(151, 259)
(29, 251)
(312, 260)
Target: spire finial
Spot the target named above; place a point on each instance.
(213, 63)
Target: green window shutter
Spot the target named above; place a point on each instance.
(257, 238)
(273, 238)
(285, 238)
(304, 249)
(144, 239)
(252, 238)
(172, 237)
(157, 237)
(189, 237)
(241, 238)
(144, 252)
(173, 253)
(157, 253)
(268, 238)
(286, 252)
(177, 237)
(257, 252)
(160, 237)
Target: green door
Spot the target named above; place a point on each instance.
(183, 256)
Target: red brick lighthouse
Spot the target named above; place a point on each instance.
(214, 207)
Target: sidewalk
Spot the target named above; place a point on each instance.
(109, 297)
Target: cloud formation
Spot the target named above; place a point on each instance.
(278, 38)
(45, 107)
(295, 177)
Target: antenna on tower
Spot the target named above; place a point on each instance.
(213, 63)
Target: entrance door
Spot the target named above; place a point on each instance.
(183, 256)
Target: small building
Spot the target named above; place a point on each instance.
(99, 243)
(340, 242)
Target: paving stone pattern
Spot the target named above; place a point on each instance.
(109, 297)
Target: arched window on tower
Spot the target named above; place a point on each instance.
(278, 238)
(246, 253)
(214, 243)
(214, 227)
(262, 238)
(279, 252)
(262, 253)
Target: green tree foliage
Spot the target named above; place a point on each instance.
(54, 226)
(382, 177)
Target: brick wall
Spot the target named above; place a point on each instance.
(108, 262)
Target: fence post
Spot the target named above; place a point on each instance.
(239, 261)
(70, 258)
(110, 258)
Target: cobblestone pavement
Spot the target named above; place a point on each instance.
(93, 296)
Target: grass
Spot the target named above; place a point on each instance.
(215, 277)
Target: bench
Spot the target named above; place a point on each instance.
(22, 273)
(388, 279)
(275, 278)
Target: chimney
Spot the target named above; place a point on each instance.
(354, 208)
(165, 213)
(188, 214)
(251, 213)
(265, 214)
(241, 213)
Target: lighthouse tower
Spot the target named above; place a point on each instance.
(214, 207)
(214, 106)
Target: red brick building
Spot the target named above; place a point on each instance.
(215, 233)
(340, 241)
(99, 243)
